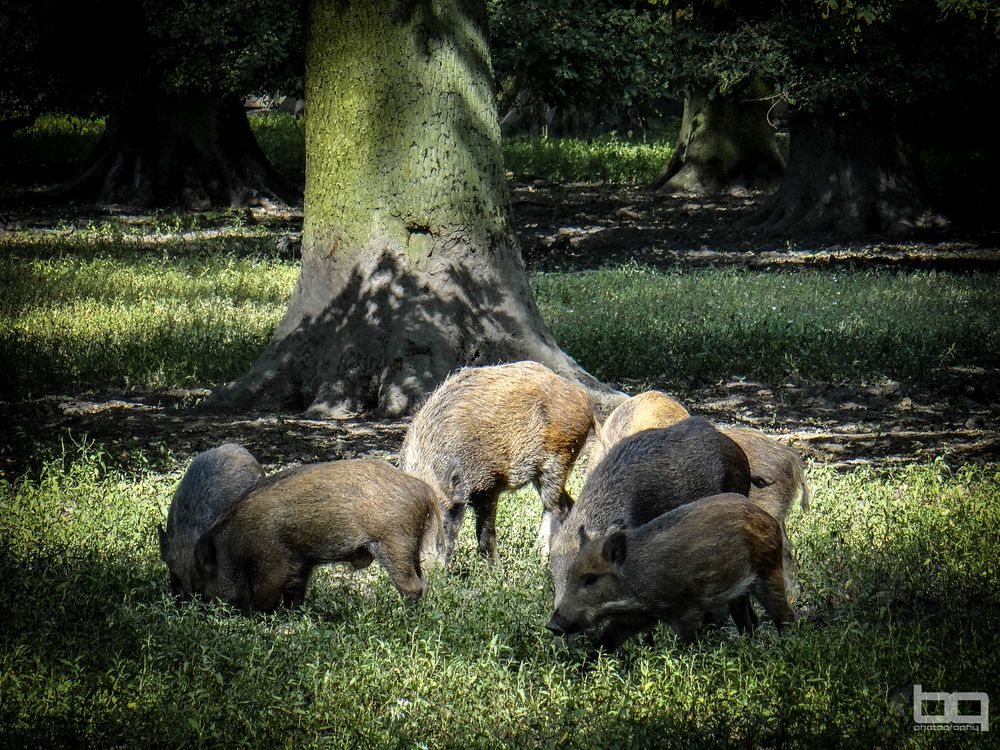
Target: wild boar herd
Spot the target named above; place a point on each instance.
(677, 521)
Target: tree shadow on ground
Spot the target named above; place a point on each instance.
(575, 227)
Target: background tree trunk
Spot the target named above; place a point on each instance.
(191, 151)
(850, 175)
(410, 267)
(725, 143)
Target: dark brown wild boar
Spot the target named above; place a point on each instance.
(646, 475)
(777, 469)
(646, 411)
(490, 429)
(260, 554)
(215, 480)
(700, 557)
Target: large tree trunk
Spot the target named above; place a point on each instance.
(850, 175)
(725, 144)
(191, 151)
(410, 267)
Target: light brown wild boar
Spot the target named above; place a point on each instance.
(215, 480)
(490, 429)
(777, 468)
(645, 411)
(698, 558)
(778, 465)
(260, 554)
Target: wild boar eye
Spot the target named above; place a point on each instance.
(588, 580)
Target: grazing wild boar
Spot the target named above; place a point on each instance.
(646, 411)
(700, 557)
(215, 480)
(260, 554)
(490, 429)
(778, 469)
(646, 475)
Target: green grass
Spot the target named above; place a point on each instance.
(60, 139)
(159, 319)
(606, 159)
(53, 139)
(283, 138)
(899, 570)
(684, 326)
(102, 308)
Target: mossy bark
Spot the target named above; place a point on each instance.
(848, 174)
(725, 143)
(410, 267)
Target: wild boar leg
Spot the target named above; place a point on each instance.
(743, 615)
(397, 556)
(556, 502)
(278, 585)
(772, 593)
(295, 589)
(619, 630)
(686, 625)
(484, 505)
(452, 522)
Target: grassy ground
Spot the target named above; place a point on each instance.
(105, 307)
(898, 568)
(607, 159)
(899, 577)
(59, 139)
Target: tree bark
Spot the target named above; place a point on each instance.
(725, 144)
(191, 151)
(410, 267)
(851, 175)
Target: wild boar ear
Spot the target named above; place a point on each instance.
(205, 554)
(615, 547)
(164, 541)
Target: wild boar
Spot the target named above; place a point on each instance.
(646, 475)
(777, 469)
(700, 557)
(260, 554)
(646, 411)
(215, 480)
(490, 429)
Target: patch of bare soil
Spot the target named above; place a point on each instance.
(841, 426)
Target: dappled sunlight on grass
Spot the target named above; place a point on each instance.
(686, 327)
(608, 159)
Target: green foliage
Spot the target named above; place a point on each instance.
(710, 324)
(570, 52)
(85, 57)
(221, 46)
(898, 573)
(833, 56)
(608, 159)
